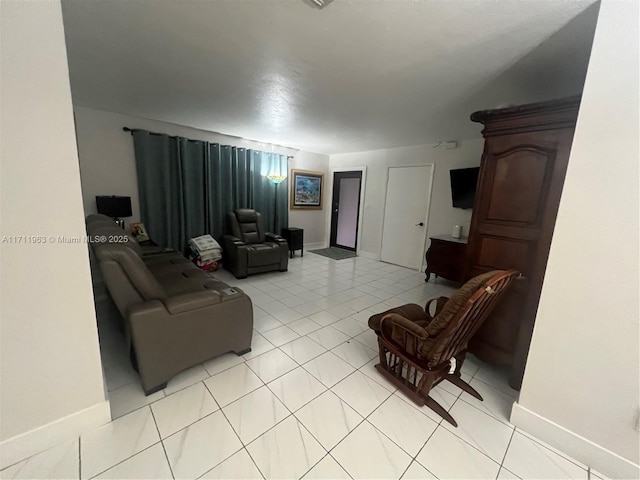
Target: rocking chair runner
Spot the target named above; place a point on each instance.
(418, 350)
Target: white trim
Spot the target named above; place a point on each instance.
(329, 196)
(423, 263)
(22, 446)
(314, 246)
(582, 449)
(421, 267)
(369, 255)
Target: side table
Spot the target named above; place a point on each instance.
(295, 238)
(446, 258)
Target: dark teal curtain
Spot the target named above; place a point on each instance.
(186, 187)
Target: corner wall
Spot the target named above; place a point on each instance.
(442, 215)
(313, 221)
(51, 378)
(107, 160)
(581, 388)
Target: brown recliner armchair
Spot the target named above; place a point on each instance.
(249, 249)
(419, 350)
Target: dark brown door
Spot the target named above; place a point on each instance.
(518, 195)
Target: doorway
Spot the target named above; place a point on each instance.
(345, 209)
(406, 214)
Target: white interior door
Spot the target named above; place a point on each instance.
(405, 215)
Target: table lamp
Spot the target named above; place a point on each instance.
(114, 206)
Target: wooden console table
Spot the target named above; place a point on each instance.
(446, 258)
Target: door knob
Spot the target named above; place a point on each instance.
(421, 224)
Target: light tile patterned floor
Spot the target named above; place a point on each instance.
(306, 402)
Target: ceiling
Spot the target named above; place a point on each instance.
(354, 76)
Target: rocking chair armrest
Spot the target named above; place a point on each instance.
(440, 303)
(407, 325)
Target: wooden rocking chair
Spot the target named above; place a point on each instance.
(418, 350)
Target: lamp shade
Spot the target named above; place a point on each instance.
(114, 206)
(277, 168)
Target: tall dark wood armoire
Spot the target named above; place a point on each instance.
(523, 166)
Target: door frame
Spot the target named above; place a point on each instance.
(332, 241)
(423, 265)
(363, 185)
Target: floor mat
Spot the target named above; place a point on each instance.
(335, 253)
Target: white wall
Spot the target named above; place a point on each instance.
(581, 388)
(313, 221)
(107, 160)
(442, 215)
(50, 360)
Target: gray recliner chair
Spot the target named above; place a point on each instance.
(249, 249)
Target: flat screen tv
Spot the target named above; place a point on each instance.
(463, 186)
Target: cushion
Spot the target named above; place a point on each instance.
(448, 312)
(456, 302)
(112, 233)
(263, 254)
(250, 232)
(410, 311)
(245, 215)
(133, 267)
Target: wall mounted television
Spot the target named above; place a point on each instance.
(463, 186)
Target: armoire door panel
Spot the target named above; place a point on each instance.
(518, 180)
(497, 229)
(504, 254)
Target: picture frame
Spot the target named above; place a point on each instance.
(139, 231)
(306, 190)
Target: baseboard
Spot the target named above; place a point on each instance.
(39, 439)
(574, 445)
(314, 246)
(369, 255)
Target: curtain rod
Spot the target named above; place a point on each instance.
(127, 129)
(132, 130)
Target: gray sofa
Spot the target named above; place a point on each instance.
(176, 316)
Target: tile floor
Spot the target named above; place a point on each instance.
(306, 402)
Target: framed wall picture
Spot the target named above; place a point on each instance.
(306, 190)
(140, 232)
